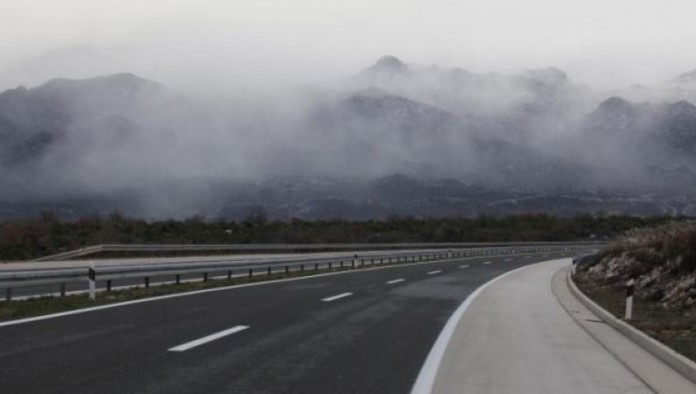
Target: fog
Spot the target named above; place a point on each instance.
(249, 44)
(177, 108)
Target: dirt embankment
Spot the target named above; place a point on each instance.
(662, 261)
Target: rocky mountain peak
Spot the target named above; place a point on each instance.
(122, 83)
(614, 105)
(388, 65)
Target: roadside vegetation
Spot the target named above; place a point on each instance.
(662, 260)
(32, 238)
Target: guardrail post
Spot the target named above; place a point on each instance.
(352, 264)
(251, 272)
(205, 277)
(287, 270)
(341, 263)
(147, 282)
(316, 266)
(229, 274)
(108, 285)
(8, 294)
(329, 265)
(269, 270)
(62, 289)
(301, 267)
(178, 279)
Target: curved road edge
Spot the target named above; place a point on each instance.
(525, 331)
(426, 377)
(678, 362)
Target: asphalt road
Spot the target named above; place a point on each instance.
(365, 331)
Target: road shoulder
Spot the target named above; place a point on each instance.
(515, 337)
(652, 371)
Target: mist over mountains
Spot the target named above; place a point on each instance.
(393, 139)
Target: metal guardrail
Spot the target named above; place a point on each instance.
(62, 277)
(585, 259)
(295, 248)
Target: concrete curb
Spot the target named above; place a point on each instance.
(679, 363)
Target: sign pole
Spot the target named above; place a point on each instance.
(92, 275)
(630, 289)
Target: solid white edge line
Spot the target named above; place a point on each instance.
(209, 338)
(426, 377)
(434, 272)
(337, 297)
(487, 262)
(463, 266)
(391, 282)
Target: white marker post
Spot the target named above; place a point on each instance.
(92, 275)
(630, 289)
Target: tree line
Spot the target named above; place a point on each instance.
(31, 238)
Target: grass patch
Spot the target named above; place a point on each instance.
(673, 326)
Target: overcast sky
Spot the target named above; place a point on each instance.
(250, 44)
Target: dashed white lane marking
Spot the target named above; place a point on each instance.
(463, 266)
(337, 297)
(487, 262)
(434, 272)
(391, 282)
(198, 342)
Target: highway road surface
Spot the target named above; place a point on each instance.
(363, 331)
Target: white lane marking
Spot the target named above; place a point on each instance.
(463, 266)
(200, 341)
(434, 272)
(182, 294)
(337, 297)
(487, 262)
(426, 376)
(391, 282)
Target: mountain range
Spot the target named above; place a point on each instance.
(395, 139)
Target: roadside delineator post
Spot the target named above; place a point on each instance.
(630, 289)
(92, 275)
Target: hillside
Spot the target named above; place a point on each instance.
(469, 143)
(662, 260)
